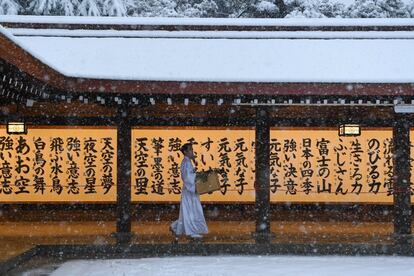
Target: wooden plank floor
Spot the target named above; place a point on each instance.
(23, 227)
(18, 237)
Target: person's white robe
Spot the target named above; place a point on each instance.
(191, 220)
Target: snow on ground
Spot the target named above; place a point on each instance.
(243, 265)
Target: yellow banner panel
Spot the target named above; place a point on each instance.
(156, 160)
(59, 164)
(306, 164)
(316, 165)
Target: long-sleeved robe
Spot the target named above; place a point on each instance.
(191, 220)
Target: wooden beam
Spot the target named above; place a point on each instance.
(123, 222)
(262, 185)
(402, 190)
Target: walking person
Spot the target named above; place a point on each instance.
(191, 221)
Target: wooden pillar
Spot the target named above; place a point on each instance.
(262, 185)
(123, 221)
(402, 193)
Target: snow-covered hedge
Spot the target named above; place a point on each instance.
(212, 8)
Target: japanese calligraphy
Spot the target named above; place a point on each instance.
(58, 165)
(157, 160)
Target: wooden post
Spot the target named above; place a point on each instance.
(402, 192)
(262, 185)
(123, 222)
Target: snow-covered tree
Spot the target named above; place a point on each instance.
(266, 9)
(45, 7)
(331, 9)
(394, 8)
(410, 9)
(304, 8)
(266, 6)
(211, 8)
(89, 8)
(10, 7)
(208, 8)
(162, 8)
(69, 7)
(197, 8)
(53, 7)
(114, 8)
(366, 9)
(248, 8)
(234, 8)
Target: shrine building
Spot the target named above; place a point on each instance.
(303, 112)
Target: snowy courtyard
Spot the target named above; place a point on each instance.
(243, 265)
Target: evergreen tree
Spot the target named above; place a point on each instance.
(235, 8)
(249, 8)
(365, 9)
(89, 8)
(282, 8)
(9, 7)
(197, 8)
(304, 8)
(161, 8)
(45, 7)
(331, 9)
(394, 8)
(410, 9)
(207, 8)
(114, 8)
(69, 7)
(23, 7)
(265, 9)
(211, 8)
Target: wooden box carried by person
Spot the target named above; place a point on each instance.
(207, 182)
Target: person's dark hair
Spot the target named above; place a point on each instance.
(185, 147)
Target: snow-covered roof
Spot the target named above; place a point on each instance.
(226, 60)
(207, 21)
(223, 56)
